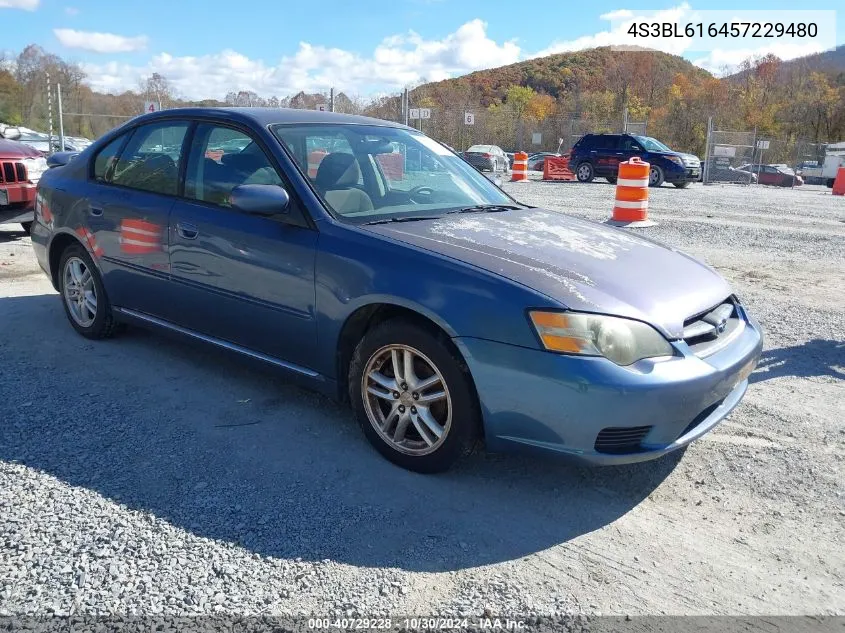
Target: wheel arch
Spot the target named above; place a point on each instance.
(57, 246)
(369, 315)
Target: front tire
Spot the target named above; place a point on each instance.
(83, 296)
(611, 179)
(681, 185)
(655, 176)
(413, 397)
(585, 172)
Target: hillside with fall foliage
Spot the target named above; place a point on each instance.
(555, 99)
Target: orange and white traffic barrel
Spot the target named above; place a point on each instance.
(520, 167)
(314, 159)
(631, 206)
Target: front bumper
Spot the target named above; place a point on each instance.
(554, 403)
(686, 174)
(17, 202)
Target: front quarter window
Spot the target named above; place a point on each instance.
(374, 173)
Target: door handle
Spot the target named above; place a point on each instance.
(188, 231)
(98, 211)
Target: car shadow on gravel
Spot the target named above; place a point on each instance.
(818, 357)
(13, 235)
(231, 452)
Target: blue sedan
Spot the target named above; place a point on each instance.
(446, 312)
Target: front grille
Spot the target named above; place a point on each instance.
(710, 331)
(618, 440)
(12, 172)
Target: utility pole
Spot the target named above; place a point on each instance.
(331, 99)
(50, 114)
(407, 106)
(61, 118)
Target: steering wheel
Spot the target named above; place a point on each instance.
(422, 190)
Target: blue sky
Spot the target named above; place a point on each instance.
(206, 48)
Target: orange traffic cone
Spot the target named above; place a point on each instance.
(631, 206)
(839, 183)
(520, 167)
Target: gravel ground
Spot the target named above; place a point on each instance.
(143, 475)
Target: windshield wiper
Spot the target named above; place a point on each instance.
(483, 208)
(404, 218)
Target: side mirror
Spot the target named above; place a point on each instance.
(260, 199)
(60, 159)
(11, 133)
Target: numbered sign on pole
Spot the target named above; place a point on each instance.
(425, 113)
(322, 107)
(150, 106)
(414, 113)
(762, 144)
(469, 118)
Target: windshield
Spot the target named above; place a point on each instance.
(367, 173)
(652, 144)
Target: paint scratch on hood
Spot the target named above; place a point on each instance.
(540, 231)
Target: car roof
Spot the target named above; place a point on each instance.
(267, 116)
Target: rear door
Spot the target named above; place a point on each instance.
(241, 278)
(134, 182)
(605, 154)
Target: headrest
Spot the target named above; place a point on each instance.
(337, 170)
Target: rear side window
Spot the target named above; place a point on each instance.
(607, 141)
(222, 159)
(152, 157)
(106, 159)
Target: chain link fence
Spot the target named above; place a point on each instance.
(727, 154)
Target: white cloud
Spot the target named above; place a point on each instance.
(617, 35)
(618, 14)
(71, 11)
(397, 61)
(100, 42)
(26, 5)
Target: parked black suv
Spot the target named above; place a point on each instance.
(600, 154)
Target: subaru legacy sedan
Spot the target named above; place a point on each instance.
(443, 310)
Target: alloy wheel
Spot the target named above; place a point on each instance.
(80, 292)
(406, 399)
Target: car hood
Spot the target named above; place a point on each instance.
(582, 265)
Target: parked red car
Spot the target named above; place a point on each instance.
(20, 169)
(777, 175)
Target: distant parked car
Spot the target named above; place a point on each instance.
(20, 170)
(511, 157)
(537, 161)
(487, 157)
(600, 154)
(775, 175)
(727, 173)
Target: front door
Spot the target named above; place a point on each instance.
(135, 181)
(241, 278)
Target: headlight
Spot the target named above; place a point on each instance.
(622, 341)
(35, 167)
(677, 160)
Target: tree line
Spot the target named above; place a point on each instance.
(558, 97)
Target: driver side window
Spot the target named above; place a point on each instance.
(221, 159)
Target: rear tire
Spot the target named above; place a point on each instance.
(27, 227)
(436, 428)
(585, 172)
(79, 277)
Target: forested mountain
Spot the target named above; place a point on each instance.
(558, 97)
